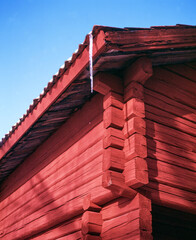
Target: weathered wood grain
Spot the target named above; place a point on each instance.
(133, 90)
(64, 230)
(135, 146)
(139, 71)
(134, 125)
(113, 117)
(136, 172)
(134, 108)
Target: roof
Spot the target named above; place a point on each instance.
(69, 89)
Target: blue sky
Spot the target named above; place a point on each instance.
(37, 36)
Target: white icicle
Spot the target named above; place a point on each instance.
(91, 59)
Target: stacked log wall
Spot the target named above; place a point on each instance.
(49, 187)
(170, 112)
(96, 176)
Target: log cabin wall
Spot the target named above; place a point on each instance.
(124, 163)
(98, 176)
(170, 113)
(49, 187)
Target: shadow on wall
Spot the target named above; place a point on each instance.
(170, 130)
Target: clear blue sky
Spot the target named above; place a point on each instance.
(37, 36)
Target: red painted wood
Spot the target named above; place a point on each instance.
(185, 194)
(113, 99)
(64, 167)
(176, 80)
(67, 167)
(139, 71)
(70, 206)
(176, 93)
(52, 181)
(170, 136)
(134, 108)
(184, 70)
(105, 82)
(124, 218)
(170, 176)
(135, 146)
(116, 183)
(133, 90)
(91, 222)
(170, 120)
(170, 130)
(171, 201)
(64, 230)
(170, 158)
(54, 193)
(113, 159)
(171, 149)
(134, 125)
(113, 138)
(136, 172)
(91, 237)
(113, 117)
(169, 105)
(113, 141)
(78, 126)
(85, 156)
(89, 205)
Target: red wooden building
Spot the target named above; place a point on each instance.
(118, 163)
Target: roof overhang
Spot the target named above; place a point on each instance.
(113, 49)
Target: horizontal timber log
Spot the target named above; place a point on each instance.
(184, 70)
(171, 201)
(123, 217)
(113, 138)
(53, 195)
(49, 216)
(170, 105)
(171, 149)
(171, 136)
(126, 224)
(174, 79)
(50, 178)
(170, 120)
(76, 149)
(171, 180)
(170, 158)
(122, 206)
(88, 205)
(57, 144)
(91, 237)
(179, 95)
(184, 194)
(171, 169)
(67, 228)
